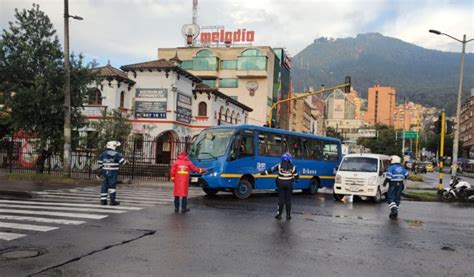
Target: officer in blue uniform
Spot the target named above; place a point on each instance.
(396, 174)
(109, 162)
(287, 174)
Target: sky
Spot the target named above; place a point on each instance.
(131, 31)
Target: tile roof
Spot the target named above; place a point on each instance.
(161, 64)
(111, 72)
(205, 88)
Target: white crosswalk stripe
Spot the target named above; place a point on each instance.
(51, 209)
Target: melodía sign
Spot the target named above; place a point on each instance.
(228, 37)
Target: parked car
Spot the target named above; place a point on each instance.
(423, 167)
(429, 167)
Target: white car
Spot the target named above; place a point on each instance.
(362, 175)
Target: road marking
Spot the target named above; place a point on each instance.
(78, 215)
(39, 228)
(90, 198)
(42, 219)
(60, 208)
(121, 196)
(10, 236)
(71, 205)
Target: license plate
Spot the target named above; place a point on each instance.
(194, 179)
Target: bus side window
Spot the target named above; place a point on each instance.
(246, 148)
(330, 151)
(315, 151)
(295, 147)
(262, 144)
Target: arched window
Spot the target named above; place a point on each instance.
(202, 109)
(221, 114)
(122, 99)
(227, 114)
(237, 119)
(94, 97)
(232, 116)
(252, 59)
(205, 60)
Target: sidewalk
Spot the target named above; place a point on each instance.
(22, 187)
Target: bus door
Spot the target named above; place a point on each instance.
(241, 159)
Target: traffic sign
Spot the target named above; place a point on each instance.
(410, 134)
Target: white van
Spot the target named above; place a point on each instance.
(362, 175)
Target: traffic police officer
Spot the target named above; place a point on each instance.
(396, 173)
(287, 174)
(109, 162)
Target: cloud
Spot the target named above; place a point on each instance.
(130, 31)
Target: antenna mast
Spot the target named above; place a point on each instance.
(195, 11)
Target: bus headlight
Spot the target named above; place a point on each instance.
(372, 181)
(338, 179)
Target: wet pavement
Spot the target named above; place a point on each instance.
(225, 236)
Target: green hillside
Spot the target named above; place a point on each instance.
(425, 76)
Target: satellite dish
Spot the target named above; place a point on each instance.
(190, 30)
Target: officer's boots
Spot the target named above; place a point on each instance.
(393, 213)
(103, 202)
(114, 203)
(280, 211)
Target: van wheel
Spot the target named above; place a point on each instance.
(243, 190)
(378, 196)
(338, 197)
(313, 187)
(210, 191)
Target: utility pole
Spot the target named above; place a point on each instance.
(403, 130)
(67, 156)
(441, 152)
(67, 96)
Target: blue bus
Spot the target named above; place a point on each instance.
(235, 155)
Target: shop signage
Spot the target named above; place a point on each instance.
(241, 35)
(150, 109)
(152, 93)
(183, 108)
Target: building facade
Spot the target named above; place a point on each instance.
(164, 103)
(381, 105)
(466, 132)
(250, 75)
(301, 118)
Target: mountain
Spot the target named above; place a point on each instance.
(428, 77)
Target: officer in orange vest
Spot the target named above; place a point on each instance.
(180, 177)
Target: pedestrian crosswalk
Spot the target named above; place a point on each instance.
(48, 210)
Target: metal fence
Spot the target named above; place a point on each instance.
(147, 160)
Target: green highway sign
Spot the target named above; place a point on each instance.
(410, 134)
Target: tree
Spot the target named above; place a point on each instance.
(31, 66)
(113, 125)
(384, 143)
(331, 132)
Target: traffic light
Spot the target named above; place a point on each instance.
(347, 81)
(449, 126)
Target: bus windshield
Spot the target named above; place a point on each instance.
(359, 164)
(211, 143)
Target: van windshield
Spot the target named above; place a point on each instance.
(211, 143)
(359, 164)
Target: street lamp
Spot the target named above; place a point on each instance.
(458, 105)
(67, 93)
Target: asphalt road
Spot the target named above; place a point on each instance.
(225, 236)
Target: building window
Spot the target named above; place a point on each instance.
(221, 114)
(94, 97)
(202, 109)
(205, 61)
(138, 142)
(231, 64)
(232, 116)
(210, 83)
(187, 65)
(228, 83)
(237, 119)
(227, 114)
(252, 59)
(122, 99)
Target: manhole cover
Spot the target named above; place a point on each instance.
(20, 254)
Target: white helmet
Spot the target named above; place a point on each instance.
(396, 159)
(112, 144)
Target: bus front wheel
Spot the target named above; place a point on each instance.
(210, 191)
(313, 187)
(243, 190)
